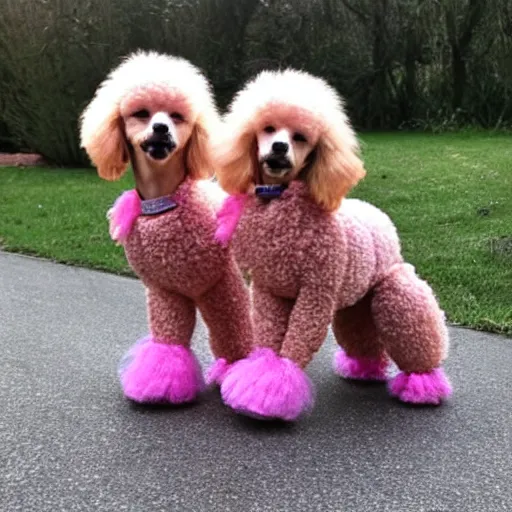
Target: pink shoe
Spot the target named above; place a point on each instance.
(267, 386)
(160, 372)
(359, 368)
(421, 388)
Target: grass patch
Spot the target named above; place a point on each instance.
(448, 194)
(60, 214)
(450, 197)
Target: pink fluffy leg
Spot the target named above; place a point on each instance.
(160, 372)
(361, 356)
(421, 388)
(359, 368)
(267, 386)
(226, 310)
(413, 330)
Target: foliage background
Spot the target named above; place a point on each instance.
(414, 64)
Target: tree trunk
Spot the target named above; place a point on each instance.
(459, 78)
(460, 41)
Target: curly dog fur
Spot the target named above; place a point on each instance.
(315, 258)
(157, 112)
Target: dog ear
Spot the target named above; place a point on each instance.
(199, 153)
(335, 171)
(238, 163)
(102, 136)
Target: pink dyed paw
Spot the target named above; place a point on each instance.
(267, 386)
(160, 372)
(421, 388)
(217, 371)
(123, 214)
(359, 368)
(228, 217)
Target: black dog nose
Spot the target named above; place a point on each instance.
(280, 147)
(160, 128)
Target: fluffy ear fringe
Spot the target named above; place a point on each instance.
(102, 138)
(297, 98)
(200, 162)
(237, 163)
(335, 171)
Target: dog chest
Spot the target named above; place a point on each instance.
(177, 250)
(274, 242)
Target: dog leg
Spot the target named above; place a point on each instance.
(246, 384)
(413, 331)
(361, 355)
(162, 367)
(308, 325)
(271, 315)
(274, 385)
(226, 311)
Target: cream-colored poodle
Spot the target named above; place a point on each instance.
(289, 157)
(157, 113)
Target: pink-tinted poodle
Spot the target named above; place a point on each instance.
(288, 158)
(157, 112)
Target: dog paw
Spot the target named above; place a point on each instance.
(359, 368)
(123, 214)
(421, 388)
(160, 372)
(267, 386)
(228, 217)
(216, 372)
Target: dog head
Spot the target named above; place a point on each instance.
(289, 125)
(282, 152)
(155, 106)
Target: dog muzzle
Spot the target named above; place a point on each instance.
(158, 147)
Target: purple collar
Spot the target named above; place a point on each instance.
(157, 205)
(269, 191)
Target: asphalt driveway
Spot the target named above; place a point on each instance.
(70, 442)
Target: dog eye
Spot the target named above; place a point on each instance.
(176, 116)
(298, 137)
(269, 129)
(141, 114)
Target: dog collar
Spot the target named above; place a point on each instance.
(269, 191)
(157, 205)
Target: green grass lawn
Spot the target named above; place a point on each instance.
(450, 196)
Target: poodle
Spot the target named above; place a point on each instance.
(157, 112)
(288, 158)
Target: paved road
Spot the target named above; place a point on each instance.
(70, 442)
